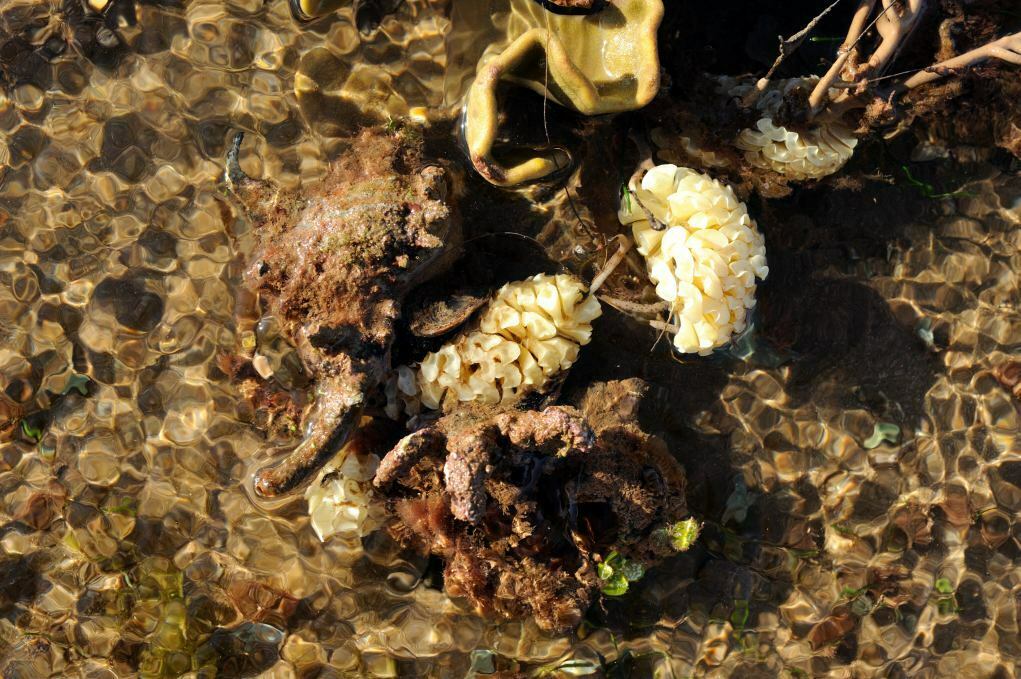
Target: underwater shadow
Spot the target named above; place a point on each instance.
(849, 346)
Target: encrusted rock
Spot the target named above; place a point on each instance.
(333, 265)
(523, 505)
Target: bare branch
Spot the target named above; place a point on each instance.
(894, 28)
(854, 33)
(894, 23)
(1005, 49)
(611, 264)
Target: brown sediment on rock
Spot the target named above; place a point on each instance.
(333, 264)
(41, 507)
(522, 505)
(979, 108)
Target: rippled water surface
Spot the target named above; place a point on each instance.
(130, 546)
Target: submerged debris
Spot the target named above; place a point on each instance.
(521, 504)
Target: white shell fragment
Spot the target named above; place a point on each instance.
(532, 330)
(812, 153)
(705, 262)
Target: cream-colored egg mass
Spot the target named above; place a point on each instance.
(340, 498)
(531, 331)
(704, 261)
(815, 151)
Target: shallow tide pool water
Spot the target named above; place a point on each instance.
(859, 493)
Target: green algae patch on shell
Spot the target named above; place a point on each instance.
(605, 62)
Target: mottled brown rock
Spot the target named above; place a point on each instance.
(10, 416)
(1009, 376)
(522, 504)
(914, 520)
(466, 469)
(333, 264)
(406, 454)
(270, 407)
(832, 628)
(260, 602)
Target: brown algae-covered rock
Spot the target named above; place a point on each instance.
(525, 507)
(333, 264)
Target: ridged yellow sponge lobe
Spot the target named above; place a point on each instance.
(531, 331)
(704, 261)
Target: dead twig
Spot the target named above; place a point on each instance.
(894, 29)
(628, 307)
(611, 264)
(787, 48)
(1006, 49)
(894, 23)
(855, 32)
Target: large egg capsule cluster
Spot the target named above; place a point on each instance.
(702, 251)
(531, 331)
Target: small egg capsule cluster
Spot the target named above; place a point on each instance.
(531, 331)
(706, 259)
(816, 151)
(340, 498)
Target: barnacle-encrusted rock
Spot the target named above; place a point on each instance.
(333, 265)
(531, 331)
(521, 504)
(702, 250)
(813, 151)
(605, 62)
